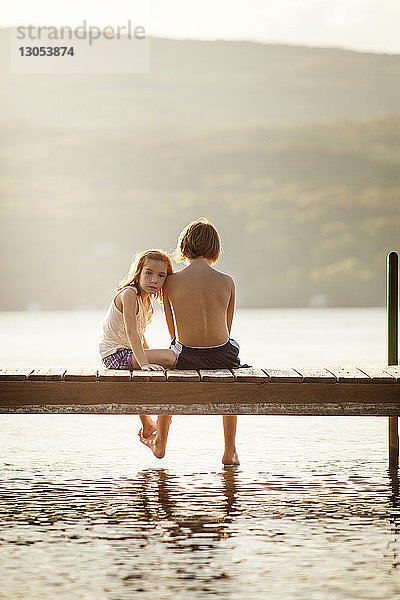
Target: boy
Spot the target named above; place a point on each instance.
(199, 303)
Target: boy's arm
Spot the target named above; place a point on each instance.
(169, 317)
(231, 308)
(129, 308)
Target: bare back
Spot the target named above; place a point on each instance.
(199, 305)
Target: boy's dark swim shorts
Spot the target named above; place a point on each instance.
(216, 357)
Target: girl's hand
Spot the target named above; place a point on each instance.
(152, 367)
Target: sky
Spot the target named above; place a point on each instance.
(364, 25)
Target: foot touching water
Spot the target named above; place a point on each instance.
(155, 445)
(230, 458)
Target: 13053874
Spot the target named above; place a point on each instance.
(46, 51)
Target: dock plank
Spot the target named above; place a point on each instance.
(393, 370)
(250, 375)
(316, 375)
(46, 375)
(80, 375)
(114, 375)
(176, 375)
(378, 374)
(216, 375)
(283, 375)
(151, 376)
(19, 374)
(349, 375)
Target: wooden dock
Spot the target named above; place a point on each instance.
(356, 391)
(330, 391)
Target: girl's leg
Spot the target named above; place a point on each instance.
(157, 442)
(148, 426)
(230, 456)
(165, 358)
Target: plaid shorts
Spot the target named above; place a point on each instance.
(121, 359)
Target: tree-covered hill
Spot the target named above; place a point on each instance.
(293, 153)
(197, 87)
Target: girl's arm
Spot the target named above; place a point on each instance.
(145, 344)
(231, 308)
(129, 309)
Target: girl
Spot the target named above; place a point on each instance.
(122, 342)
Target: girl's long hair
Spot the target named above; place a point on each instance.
(133, 275)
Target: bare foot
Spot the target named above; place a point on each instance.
(147, 429)
(154, 444)
(230, 458)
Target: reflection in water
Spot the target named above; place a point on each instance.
(133, 515)
(394, 516)
(200, 516)
(394, 482)
(213, 533)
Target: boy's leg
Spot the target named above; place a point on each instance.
(157, 442)
(163, 423)
(230, 456)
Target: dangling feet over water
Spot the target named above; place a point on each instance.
(157, 440)
(155, 436)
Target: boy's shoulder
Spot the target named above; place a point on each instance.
(171, 277)
(184, 276)
(223, 275)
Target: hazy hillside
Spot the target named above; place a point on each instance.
(207, 86)
(293, 152)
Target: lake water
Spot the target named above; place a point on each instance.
(86, 512)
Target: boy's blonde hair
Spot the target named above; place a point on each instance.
(198, 239)
(133, 275)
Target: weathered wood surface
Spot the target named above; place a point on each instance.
(15, 374)
(250, 375)
(149, 376)
(305, 391)
(349, 375)
(393, 370)
(114, 375)
(283, 375)
(183, 376)
(217, 375)
(47, 375)
(316, 375)
(80, 375)
(378, 375)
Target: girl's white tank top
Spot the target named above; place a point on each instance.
(113, 334)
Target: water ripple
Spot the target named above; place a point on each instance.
(199, 534)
